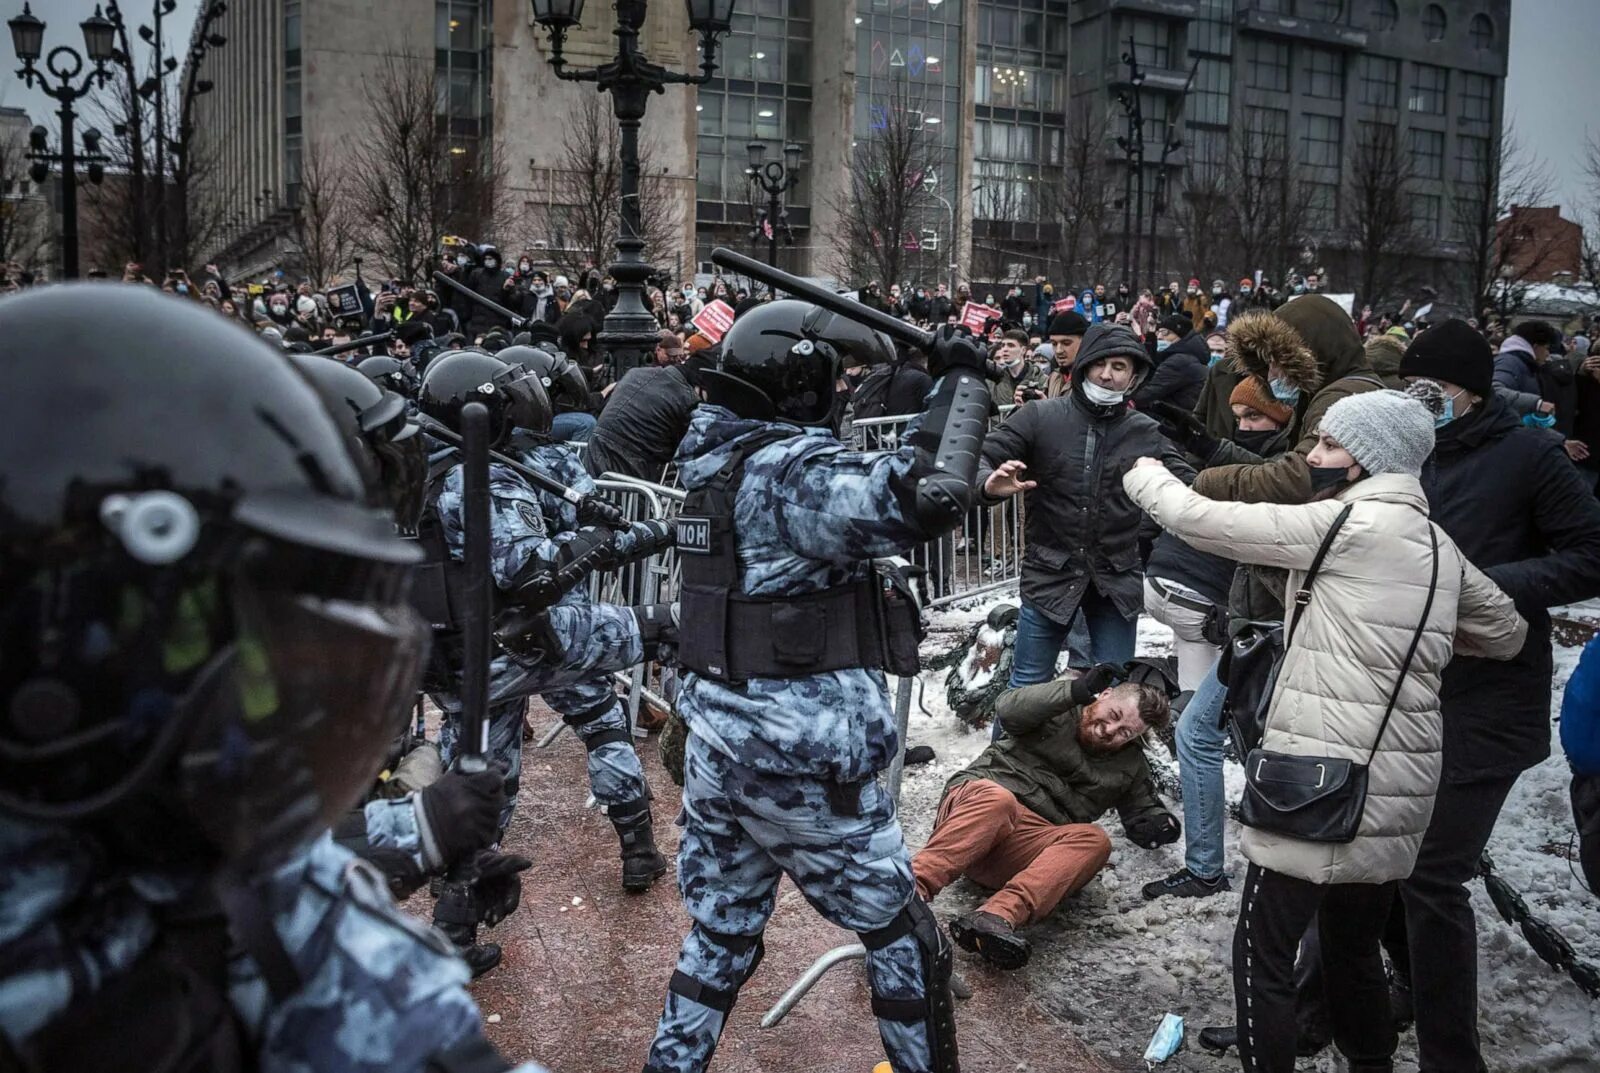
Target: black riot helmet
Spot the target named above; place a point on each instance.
(382, 437)
(514, 396)
(208, 643)
(562, 378)
(398, 375)
(781, 360)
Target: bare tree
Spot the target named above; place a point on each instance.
(409, 182)
(1501, 260)
(1077, 199)
(1268, 200)
(1201, 217)
(1379, 228)
(888, 193)
(323, 229)
(586, 212)
(25, 223)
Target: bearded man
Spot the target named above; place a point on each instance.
(1020, 818)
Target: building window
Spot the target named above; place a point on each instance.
(1322, 205)
(1425, 209)
(1208, 101)
(1433, 22)
(1481, 31)
(1477, 96)
(1319, 146)
(1325, 10)
(1472, 159)
(1152, 41)
(1428, 87)
(1268, 65)
(1380, 81)
(1383, 15)
(1427, 153)
(1324, 73)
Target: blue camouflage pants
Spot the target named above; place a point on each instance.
(743, 831)
(597, 639)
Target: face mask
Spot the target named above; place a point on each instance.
(1193, 292)
(1539, 420)
(1102, 396)
(1299, 288)
(1254, 440)
(462, 260)
(279, 309)
(1215, 357)
(1325, 477)
(1162, 344)
(182, 288)
(1448, 414)
(490, 262)
(1283, 391)
(1244, 292)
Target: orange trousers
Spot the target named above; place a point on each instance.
(983, 832)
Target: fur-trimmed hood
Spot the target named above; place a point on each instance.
(1311, 339)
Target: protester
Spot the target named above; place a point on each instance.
(1348, 690)
(1580, 740)
(1015, 380)
(1181, 361)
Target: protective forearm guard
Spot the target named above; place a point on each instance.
(948, 444)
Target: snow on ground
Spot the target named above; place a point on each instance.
(1112, 964)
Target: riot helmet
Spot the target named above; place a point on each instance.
(398, 375)
(207, 640)
(382, 437)
(781, 360)
(562, 378)
(514, 397)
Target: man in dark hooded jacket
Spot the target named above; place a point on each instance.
(1068, 455)
(1181, 361)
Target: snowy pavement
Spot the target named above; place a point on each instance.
(1112, 964)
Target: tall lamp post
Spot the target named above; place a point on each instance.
(775, 178)
(64, 65)
(629, 334)
(1132, 146)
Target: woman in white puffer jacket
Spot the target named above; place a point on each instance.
(1333, 689)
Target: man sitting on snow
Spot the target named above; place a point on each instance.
(1020, 818)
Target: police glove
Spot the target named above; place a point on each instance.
(1151, 829)
(1092, 682)
(647, 538)
(460, 814)
(1186, 430)
(954, 348)
(528, 634)
(498, 888)
(592, 510)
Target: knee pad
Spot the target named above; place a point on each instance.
(719, 998)
(935, 1009)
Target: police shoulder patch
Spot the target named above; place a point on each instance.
(694, 535)
(531, 517)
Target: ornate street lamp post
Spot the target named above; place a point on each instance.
(775, 178)
(628, 336)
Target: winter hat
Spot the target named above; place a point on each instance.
(1068, 322)
(1454, 352)
(1045, 352)
(1580, 346)
(305, 306)
(1385, 431)
(1194, 283)
(1398, 332)
(1178, 324)
(1252, 392)
(1247, 282)
(1429, 393)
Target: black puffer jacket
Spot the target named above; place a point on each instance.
(1517, 508)
(1081, 525)
(1180, 370)
(644, 420)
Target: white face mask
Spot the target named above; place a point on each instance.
(1102, 396)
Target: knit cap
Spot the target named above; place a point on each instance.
(1453, 351)
(1385, 431)
(1253, 393)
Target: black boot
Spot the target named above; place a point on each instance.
(1219, 1038)
(456, 916)
(642, 863)
(992, 938)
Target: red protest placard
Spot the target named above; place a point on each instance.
(713, 320)
(975, 316)
(1065, 305)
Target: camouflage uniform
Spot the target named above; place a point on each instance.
(765, 760)
(597, 638)
(379, 993)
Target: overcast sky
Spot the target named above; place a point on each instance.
(1552, 91)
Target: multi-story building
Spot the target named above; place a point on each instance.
(1018, 100)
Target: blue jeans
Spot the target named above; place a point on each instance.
(571, 427)
(1110, 639)
(1200, 742)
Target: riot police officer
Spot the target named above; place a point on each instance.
(785, 635)
(205, 649)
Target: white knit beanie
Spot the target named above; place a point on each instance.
(1385, 431)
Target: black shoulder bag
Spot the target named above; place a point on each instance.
(1250, 661)
(1321, 798)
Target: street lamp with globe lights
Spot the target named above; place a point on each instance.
(775, 178)
(629, 334)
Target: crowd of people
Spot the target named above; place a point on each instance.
(1355, 528)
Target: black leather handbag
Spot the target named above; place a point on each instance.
(1321, 798)
(1249, 665)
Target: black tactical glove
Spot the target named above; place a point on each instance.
(527, 634)
(461, 814)
(1095, 680)
(1151, 829)
(954, 348)
(1186, 430)
(592, 510)
(498, 889)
